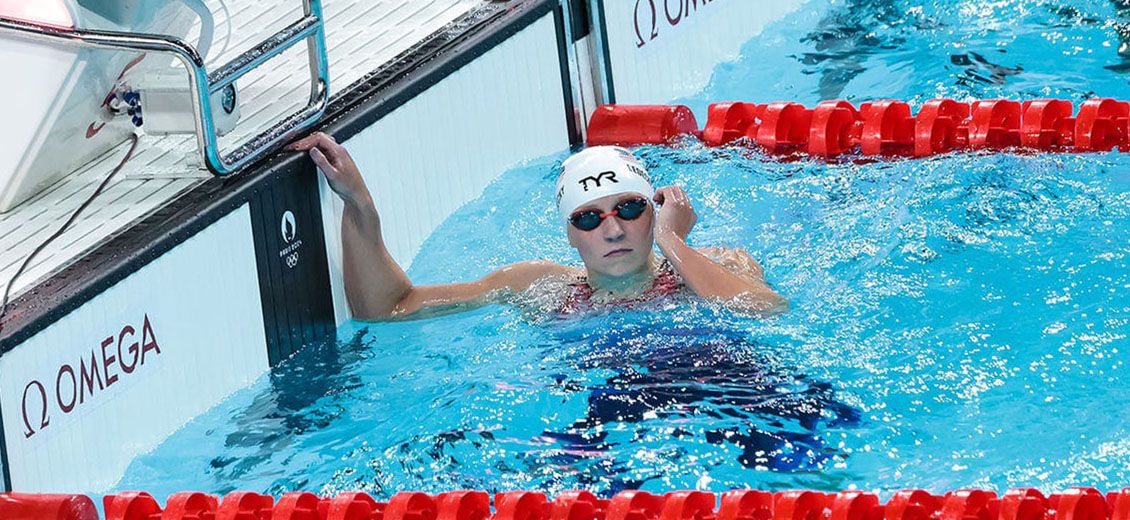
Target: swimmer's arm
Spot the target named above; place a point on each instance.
(740, 285)
(374, 282)
(425, 301)
(375, 285)
(378, 289)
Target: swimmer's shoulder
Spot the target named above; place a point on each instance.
(520, 276)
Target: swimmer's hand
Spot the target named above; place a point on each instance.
(737, 281)
(677, 215)
(337, 165)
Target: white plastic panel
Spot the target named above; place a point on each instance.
(440, 150)
(61, 107)
(360, 36)
(165, 344)
(48, 69)
(664, 49)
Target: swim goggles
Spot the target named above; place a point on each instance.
(590, 219)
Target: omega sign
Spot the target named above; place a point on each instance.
(76, 384)
(649, 14)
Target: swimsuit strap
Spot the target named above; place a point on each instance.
(665, 282)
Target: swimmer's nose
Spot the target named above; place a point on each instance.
(612, 230)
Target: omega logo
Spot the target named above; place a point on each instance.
(645, 15)
(96, 126)
(118, 355)
(636, 18)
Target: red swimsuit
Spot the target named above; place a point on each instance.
(665, 283)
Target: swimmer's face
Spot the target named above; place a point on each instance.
(616, 247)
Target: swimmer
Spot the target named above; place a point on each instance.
(608, 207)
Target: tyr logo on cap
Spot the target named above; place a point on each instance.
(603, 175)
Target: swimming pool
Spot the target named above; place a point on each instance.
(956, 320)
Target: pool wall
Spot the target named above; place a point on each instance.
(117, 375)
(187, 287)
(659, 50)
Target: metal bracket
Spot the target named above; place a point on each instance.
(203, 84)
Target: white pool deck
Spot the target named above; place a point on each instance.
(361, 35)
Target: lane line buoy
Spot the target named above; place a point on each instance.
(877, 128)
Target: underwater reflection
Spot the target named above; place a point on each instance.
(710, 382)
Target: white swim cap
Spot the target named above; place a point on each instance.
(597, 172)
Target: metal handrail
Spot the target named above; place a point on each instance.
(310, 28)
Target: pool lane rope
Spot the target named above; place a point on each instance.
(1080, 503)
(882, 128)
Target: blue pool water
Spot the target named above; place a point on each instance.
(957, 321)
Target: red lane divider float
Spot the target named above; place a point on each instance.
(26, 505)
(884, 127)
(915, 504)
